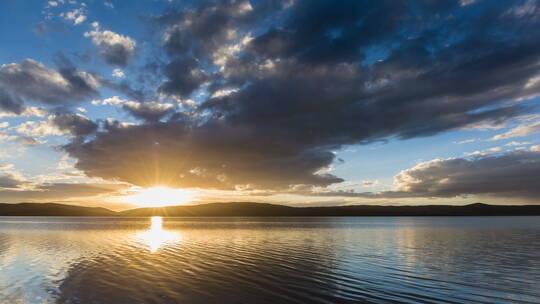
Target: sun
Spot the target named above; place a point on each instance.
(160, 197)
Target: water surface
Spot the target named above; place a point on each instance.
(270, 260)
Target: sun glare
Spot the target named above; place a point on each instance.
(156, 237)
(160, 197)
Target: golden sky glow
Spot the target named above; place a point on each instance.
(159, 197)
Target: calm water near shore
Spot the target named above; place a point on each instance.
(270, 260)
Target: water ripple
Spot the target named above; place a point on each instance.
(269, 260)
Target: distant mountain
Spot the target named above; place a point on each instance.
(51, 209)
(260, 209)
(217, 209)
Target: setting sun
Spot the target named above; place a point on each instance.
(160, 197)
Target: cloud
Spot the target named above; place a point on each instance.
(203, 30)
(519, 131)
(28, 141)
(149, 110)
(118, 73)
(28, 112)
(77, 16)
(59, 191)
(9, 181)
(75, 124)
(114, 48)
(512, 174)
(10, 178)
(370, 183)
(10, 103)
(39, 128)
(146, 110)
(467, 2)
(466, 141)
(517, 143)
(36, 82)
(308, 79)
(22, 140)
(184, 77)
(58, 124)
(177, 154)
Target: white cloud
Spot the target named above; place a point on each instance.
(28, 112)
(517, 143)
(370, 183)
(77, 16)
(519, 131)
(108, 4)
(118, 73)
(39, 128)
(466, 141)
(467, 2)
(115, 100)
(4, 124)
(483, 126)
(225, 92)
(114, 48)
(53, 3)
(483, 152)
(529, 8)
(477, 153)
(6, 137)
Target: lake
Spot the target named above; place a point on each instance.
(270, 260)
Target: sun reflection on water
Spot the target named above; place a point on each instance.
(156, 237)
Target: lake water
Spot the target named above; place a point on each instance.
(270, 260)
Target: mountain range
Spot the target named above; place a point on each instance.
(263, 209)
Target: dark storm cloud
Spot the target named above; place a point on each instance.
(148, 111)
(184, 77)
(316, 76)
(181, 154)
(201, 30)
(10, 103)
(75, 124)
(194, 37)
(33, 80)
(127, 88)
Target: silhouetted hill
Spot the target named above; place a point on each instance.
(260, 209)
(257, 209)
(52, 209)
(216, 209)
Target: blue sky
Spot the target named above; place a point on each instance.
(278, 101)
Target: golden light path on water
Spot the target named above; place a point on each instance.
(156, 237)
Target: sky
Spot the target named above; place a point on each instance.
(305, 103)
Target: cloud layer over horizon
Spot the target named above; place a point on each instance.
(259, 95)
